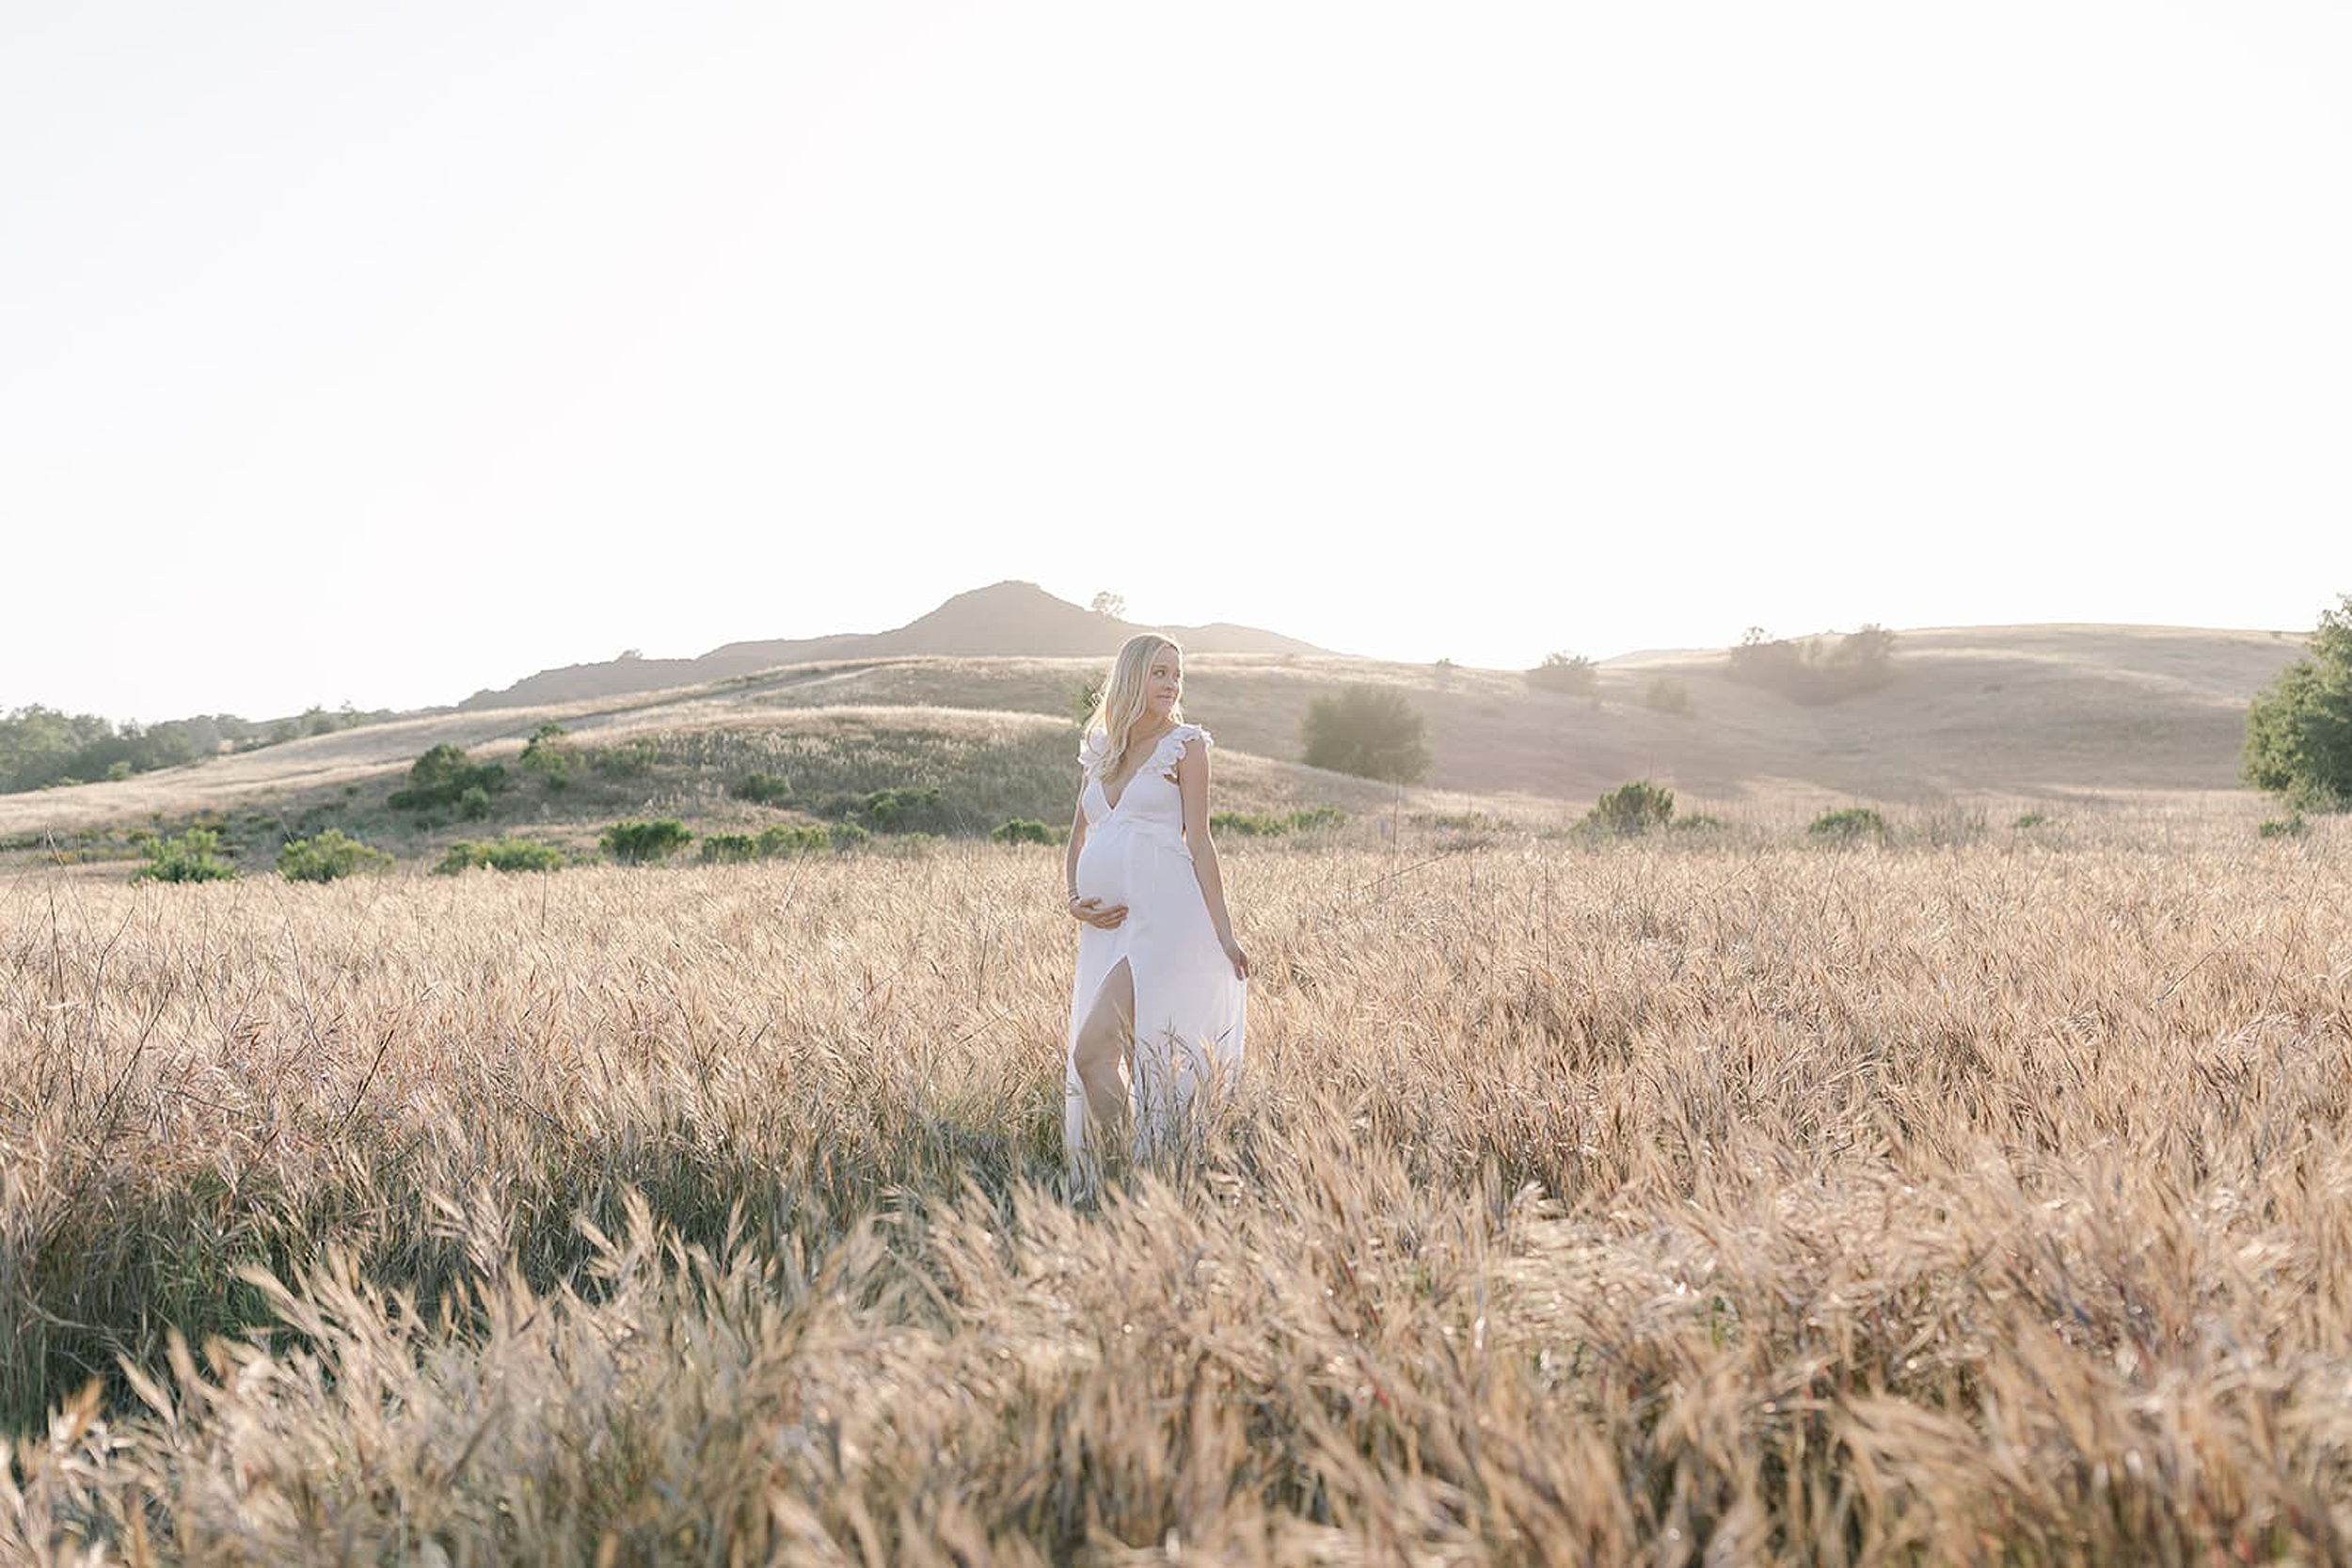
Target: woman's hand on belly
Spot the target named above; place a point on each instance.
(1095, 912)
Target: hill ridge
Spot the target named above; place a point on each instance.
(1013, 618)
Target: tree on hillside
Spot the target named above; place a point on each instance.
(1369, 731)
(1814, 670)
(1572, 674)
(1109, 604)
(2298, 731)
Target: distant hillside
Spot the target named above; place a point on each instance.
(1007, 620)
(2051, 713)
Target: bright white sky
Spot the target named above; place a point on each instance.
(382, 353)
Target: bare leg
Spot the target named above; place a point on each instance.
(1106, 1041)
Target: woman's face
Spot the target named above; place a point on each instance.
(1164, 684)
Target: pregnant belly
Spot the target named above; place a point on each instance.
(1104, 868)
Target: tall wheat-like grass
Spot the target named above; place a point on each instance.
(1666, 1201)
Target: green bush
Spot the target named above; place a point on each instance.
(1812, 669)
(505, 854)
(1570, 673)
(894, 811)
(729, 848)
(1084, 697)
(633, 759)
(445, 777)
(1024, 830)
(544, 756)
(331, 854)
(2298, 731)
(1849, 823)
(2029, 819)
(1666, 694)
(1369, 731)
(639, 843)
(1264, 824)
(765, 789)
(2290, 826)
(905, 810)
(793, 839)
(1698, 821)
(849, 835)
(780, 839)
(1630, 809)
(191, 857)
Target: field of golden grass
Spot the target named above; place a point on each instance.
(1668, 1202)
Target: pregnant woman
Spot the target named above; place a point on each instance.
(1160, 976)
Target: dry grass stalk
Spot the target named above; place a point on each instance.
(1668, 1202)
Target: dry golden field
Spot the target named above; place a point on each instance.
(1677, 1201)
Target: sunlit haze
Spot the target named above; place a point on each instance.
(381, 353)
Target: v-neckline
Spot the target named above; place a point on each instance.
(1105, 790)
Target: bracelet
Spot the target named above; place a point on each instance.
(1074, 895)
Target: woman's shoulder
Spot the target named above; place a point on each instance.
(1094, 750)
(1178, 740)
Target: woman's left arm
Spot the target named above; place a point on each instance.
(1192, 788)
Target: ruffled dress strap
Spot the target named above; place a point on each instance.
(1093, 752)
(1171, 747)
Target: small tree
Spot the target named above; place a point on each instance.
(191, 857)
(636, 843)
(1849, 825)
(1666, 694)
(443, 777)
(1109, 604)
(2298, 731)
(543, 754)
(331, 854)
(1369, 731)
(1085, 698)
(1572, 674)
(1631, 808)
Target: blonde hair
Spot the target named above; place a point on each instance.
(1122, 701)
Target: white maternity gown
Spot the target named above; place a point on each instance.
(1190, 1007)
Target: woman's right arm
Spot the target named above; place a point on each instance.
(1069, 855)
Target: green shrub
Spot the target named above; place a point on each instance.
(1666, 694)
(765, 789)
(1698, 821)
(1085, 698)
(849, 835)
(2029, 819)
(1812, 669)
(1570, 673)
(633, 759)
(1849, 823)
(2298, 731)
(905, 810)
(331, 854)
(544, 756)
(894, 811)
(729, 848)
(1264, 824)
(191, 857)
(1369, 731)
(1631, 808)
(505, 854)
(445, 777)
(793, 839)
(2290, 826)
(639, 843)
(1026, 829)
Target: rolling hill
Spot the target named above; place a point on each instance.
(1008, 619)
(2047, 713)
